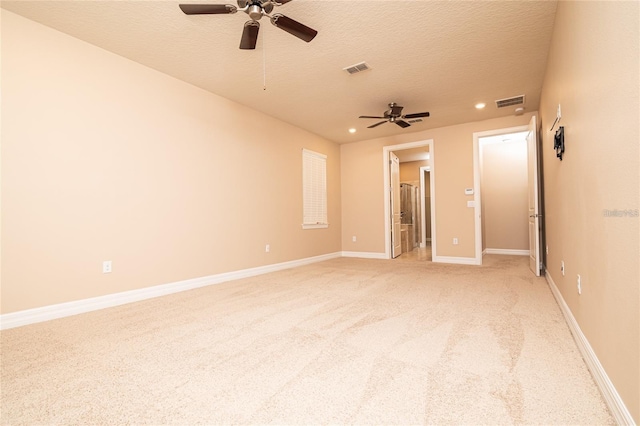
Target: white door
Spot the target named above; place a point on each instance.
(394, 172)
(534, 205)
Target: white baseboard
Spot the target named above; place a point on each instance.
(609, 392)
(60, 310)
(364, 254)
(455, 260)
(510, 252)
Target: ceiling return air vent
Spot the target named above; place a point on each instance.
(415, 120)
(516, 100)
(354, 69)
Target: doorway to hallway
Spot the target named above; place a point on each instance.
(415, 216)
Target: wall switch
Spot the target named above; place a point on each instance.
(455, 241)
(106, 267)
(471, 203)
(562, 267)
(353, 239)
(267, 248)
(579, 285)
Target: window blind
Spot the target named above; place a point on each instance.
(314, 189)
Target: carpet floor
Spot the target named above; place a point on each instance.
(354, 341)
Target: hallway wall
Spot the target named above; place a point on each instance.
(592, 73)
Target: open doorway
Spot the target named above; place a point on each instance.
(405, 202)
(505, 188)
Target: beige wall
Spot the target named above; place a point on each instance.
(504, 189)
(363, 186)
(593, 73)
(410, 170)
(104, 159)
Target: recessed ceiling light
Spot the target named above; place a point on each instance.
(352, 130)
(480, 105)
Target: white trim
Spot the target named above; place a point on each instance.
(477, 199)
(387, 184)
(511, 252)
(423, 215)
(315, 225)
(46, 313)
(607, 389)
(364, 254)
(456, 260)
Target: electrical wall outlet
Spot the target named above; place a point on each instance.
(562, 267)
(267, 248)
(353, 239)
(106, 267)
(455, 241)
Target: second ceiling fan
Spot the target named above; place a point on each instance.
(256, 9)
(394, 115)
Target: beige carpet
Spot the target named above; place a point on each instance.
(343, 341)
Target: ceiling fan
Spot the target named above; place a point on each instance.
(394, 115)
(256, 9)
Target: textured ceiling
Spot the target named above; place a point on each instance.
(436, 56)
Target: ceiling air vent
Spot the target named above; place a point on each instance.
(354, 69)
(516, 100)
(415, 120)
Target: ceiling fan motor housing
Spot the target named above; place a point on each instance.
(254, 12)
(256, 9)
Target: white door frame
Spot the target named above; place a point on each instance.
(423, 214)
(396, 205)
(386, 190)
(476, 181)
(535, 258)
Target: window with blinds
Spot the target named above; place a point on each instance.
(314, 190)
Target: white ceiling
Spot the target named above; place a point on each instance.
(436, 56)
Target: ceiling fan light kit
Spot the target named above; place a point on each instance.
(256, 9)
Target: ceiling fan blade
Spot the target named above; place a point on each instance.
(208, 9)
(249, 35)
(402, 124)
(293, 27)
(371, 116)
(395, 110)
(416, 115)
(376, 125)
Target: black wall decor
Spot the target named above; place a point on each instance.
(558, 143)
